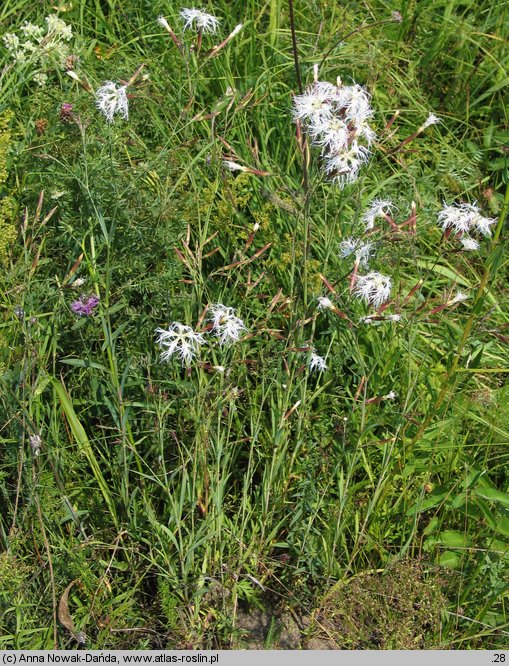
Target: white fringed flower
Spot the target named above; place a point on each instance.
(464, 218)
(199, 21)
(469, 243)
(111, 99)
(479, 223)
(343, 167)
(454, 217)
(459, 298)
(378, 208)
(314, 106)
(431, 120)
(316, 362)
(331, 134)
(225, 324)
(374, 288)
(347, 247)
(181, 340)
(362, 251)
(356, 100)
(36, 444)
(363, 254)
(325, 303)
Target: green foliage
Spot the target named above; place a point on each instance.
(7, 204)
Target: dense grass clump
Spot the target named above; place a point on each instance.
(318, 430)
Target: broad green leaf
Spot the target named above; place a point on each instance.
(453, 539)
(493, 495)
(84, 363)
(449, 559)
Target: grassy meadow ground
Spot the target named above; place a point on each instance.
(150, 505)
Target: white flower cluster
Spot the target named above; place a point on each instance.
(185, 342)
(465, 219)
(40, 47)
(336, 118)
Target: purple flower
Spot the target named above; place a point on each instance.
(85, 306)
(66, 113)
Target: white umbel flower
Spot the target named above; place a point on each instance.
(225, 324)
(374, 288)
(112, 99)
(181, 340)
(58, 27)
(378, 208)
(316, 362)
(11, 41)
(199, 21)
